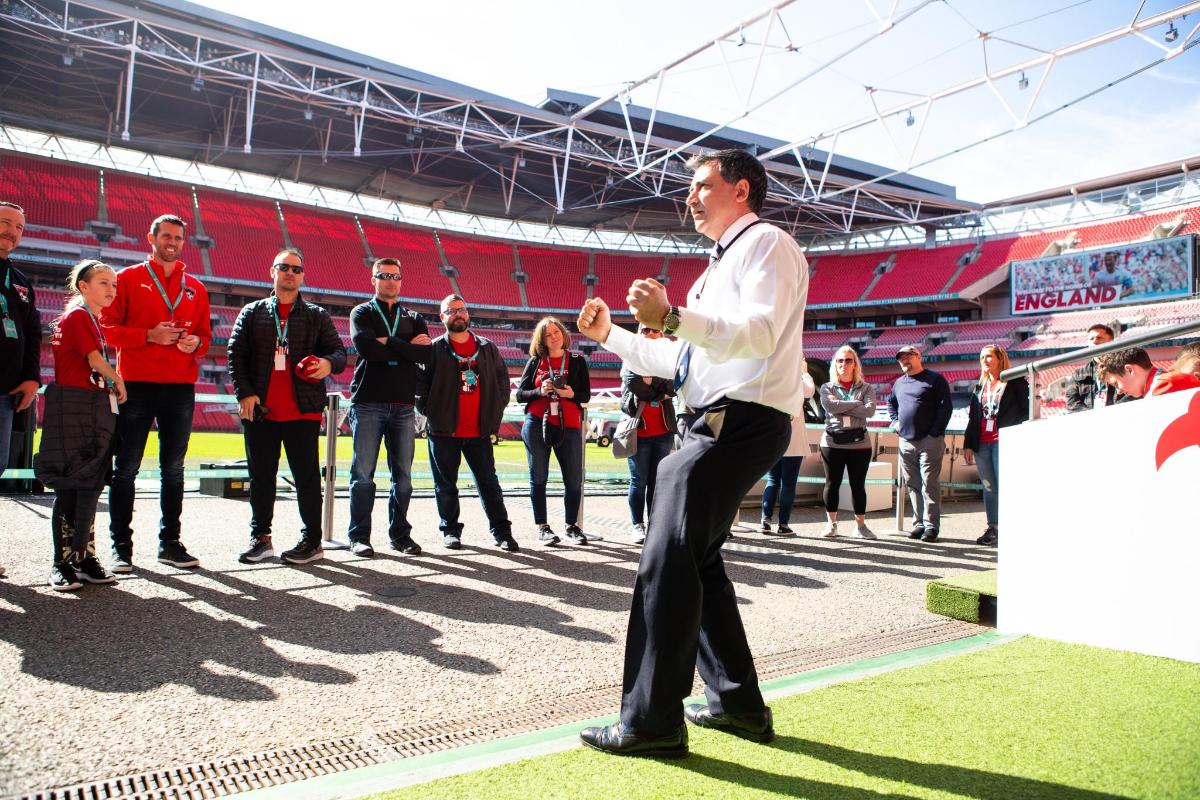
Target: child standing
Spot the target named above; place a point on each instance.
(75, 455)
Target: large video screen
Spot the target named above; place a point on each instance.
(1161, 269)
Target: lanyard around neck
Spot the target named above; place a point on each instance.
(163, 292)
(721, 250)
(99, 332)
(280, 328)
(389, 326)
(562, 365)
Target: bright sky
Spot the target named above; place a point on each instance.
(518, 48)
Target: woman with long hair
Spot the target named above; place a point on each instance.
(554, 386)
(75, 455)
(995, 404)
(849, 401)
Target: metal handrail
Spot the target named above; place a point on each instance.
(1031, 369)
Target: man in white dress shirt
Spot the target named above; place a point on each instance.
(737, 364)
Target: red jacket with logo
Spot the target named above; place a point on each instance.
(139, 307)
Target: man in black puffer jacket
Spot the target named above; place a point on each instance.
(280, 352)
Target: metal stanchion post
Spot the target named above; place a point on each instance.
(899, 501)
(333, 402)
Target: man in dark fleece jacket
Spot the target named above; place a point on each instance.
(920, 411)
(391, 341)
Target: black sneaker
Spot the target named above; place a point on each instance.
(89, 570)
(990, 538)
(260, 549)
(406, 546)
(917, 532)
(765, 527)
(546, 536)
(451, 541)
(173, 554)
(576, 535)
(362, 549)
(507, 543)
(303, 553)
(63, 578)
(122, 559)
(931, 535)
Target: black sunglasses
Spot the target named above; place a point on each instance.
(289, 267)
(387, 276)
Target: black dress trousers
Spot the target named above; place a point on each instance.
(684, 613)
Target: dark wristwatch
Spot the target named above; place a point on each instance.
(670, 322)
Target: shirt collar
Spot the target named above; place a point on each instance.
(162, 271)
(740, 224)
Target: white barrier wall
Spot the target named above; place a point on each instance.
(1101, 544)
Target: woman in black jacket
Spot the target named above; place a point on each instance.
(995, 404)
(655, 436)
(554, 387)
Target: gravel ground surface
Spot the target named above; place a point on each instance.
(171, 666)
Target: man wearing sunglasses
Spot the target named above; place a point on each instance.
(280, 352)
(463, 393)
(160, 327)
(391, 341)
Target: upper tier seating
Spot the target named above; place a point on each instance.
(420, 263)
(484, 270)
(134, 202)
(841, 279)
(919, 272)
(333, 250)
(555, 277)
(245, 233)
(53, 194)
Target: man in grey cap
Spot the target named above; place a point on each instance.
(920, 411)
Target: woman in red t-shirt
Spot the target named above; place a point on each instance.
(554, 386)
(81, 365)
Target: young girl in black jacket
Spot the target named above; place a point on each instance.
(75, 455)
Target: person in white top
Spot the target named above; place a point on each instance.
(737, 362)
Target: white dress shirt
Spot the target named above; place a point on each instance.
(745, 318)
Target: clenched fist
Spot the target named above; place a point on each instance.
(594, 321)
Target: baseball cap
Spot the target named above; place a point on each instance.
(908, 348)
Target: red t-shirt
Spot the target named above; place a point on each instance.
(570, 410)
(1167, 382)
(281, 392)
(468, 402)
(652, 416)
(75, 336)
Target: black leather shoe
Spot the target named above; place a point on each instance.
(621, 740)
(917, 532)
(931, 535)
(755, 726)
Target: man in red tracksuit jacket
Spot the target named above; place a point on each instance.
(161, 329)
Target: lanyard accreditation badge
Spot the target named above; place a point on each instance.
(466, 367)
(163, 293)
(112, 397)
(390, 327)
(989, 399)
(281, 348)
(10, 325)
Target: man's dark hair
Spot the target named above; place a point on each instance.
(168, 218)
(385, 262)
(1105, 328)
(1114, 363)
(736, 165)
(9, 204)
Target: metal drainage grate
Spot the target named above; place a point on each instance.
(277, 767)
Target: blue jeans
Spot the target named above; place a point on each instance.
(371, 423)
(445, 454)
(643, 472)
(570, 461)
(987, 459)
(7, 411)
(781, 486)
(171, 405)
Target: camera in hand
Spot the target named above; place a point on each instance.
(260, 412)
(560, 382)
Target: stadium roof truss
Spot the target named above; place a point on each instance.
(182, 81)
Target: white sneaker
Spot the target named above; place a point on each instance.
(865, 532)
(637, 533)
(830, 530)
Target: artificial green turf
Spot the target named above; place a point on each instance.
(1024, 720)
(983, 582)
(959, 596)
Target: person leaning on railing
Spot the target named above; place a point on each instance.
(995, 404)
